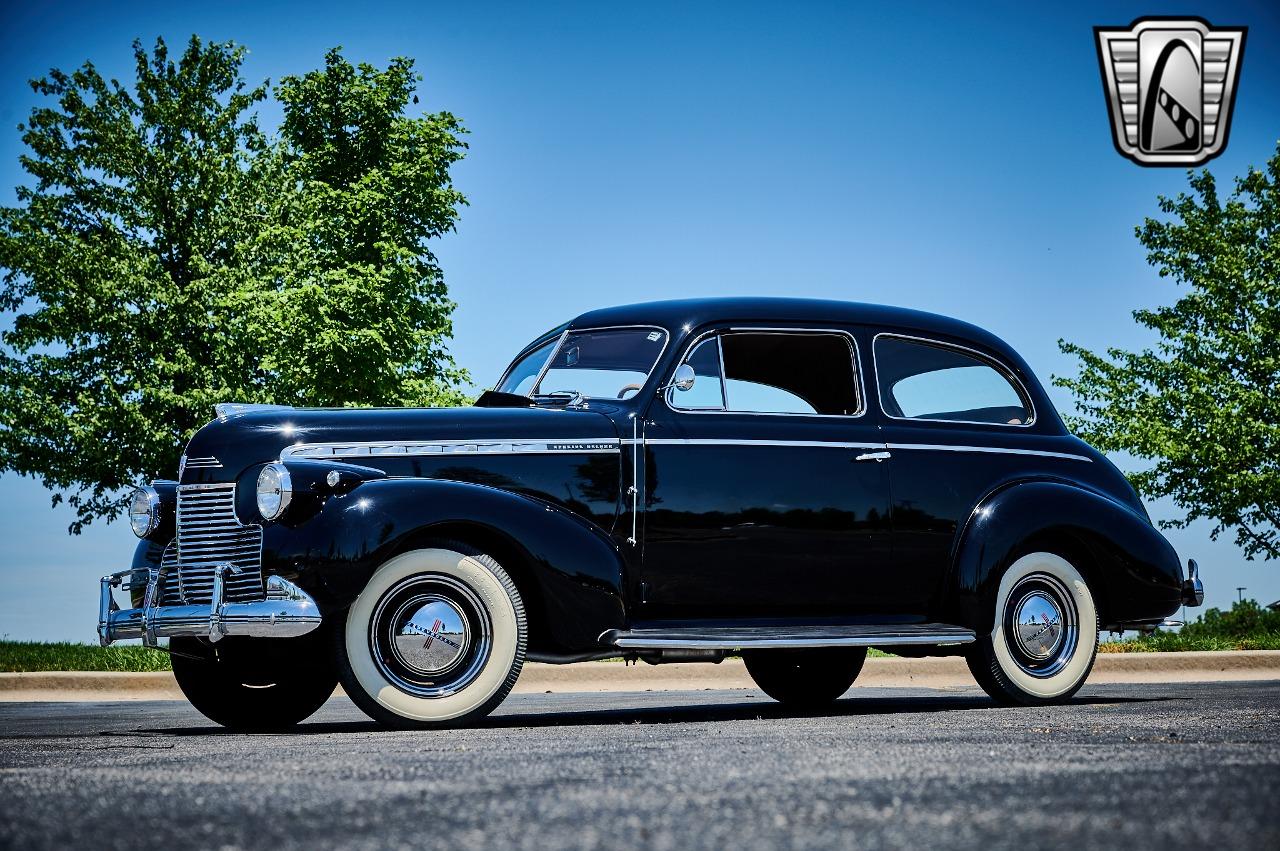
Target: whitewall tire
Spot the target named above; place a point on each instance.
(1044, 633)
(436, 638)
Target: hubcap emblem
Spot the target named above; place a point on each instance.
(1038, 625)
(430, 634)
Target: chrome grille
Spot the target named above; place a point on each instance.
(209, 534)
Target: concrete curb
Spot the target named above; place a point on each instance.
(947, 672)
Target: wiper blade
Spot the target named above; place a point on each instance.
(572, 398)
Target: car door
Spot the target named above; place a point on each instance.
(958, 423)
(763, 492)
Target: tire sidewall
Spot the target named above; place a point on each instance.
(507, 638)
(1066, 681)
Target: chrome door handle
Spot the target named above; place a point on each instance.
(874, 456)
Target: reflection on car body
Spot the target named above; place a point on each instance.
(793, 480)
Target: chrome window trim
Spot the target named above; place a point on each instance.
(669, 393)
(854, 351)
(666, 341)
(435, 448)
(546, 365)
(990, 360)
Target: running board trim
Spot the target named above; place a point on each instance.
(768, 638)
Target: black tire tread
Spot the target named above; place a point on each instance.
(217, 687)
(806, 679)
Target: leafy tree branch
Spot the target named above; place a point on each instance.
(1203, 404)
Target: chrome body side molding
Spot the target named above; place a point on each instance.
(881, 447)
(552, 446)
(1001, 450)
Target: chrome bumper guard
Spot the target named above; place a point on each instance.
(288, 611)
(1192, 587)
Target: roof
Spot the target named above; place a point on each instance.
(675, 315)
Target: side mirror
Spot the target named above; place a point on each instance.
(684, 378)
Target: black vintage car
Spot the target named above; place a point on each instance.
(791, 480)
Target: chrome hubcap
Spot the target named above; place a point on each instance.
(1037, 625)
(430, 635)
(1041, 625)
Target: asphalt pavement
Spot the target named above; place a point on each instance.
(1139, 766)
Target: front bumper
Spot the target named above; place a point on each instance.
(288, 611)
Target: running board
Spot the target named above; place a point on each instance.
(737, 638)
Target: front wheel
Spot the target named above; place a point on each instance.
(806, 679)
(1044, 634)
(436, 638)
(255, 684)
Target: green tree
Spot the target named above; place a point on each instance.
(344, 302)
(1245, 619)
(1203, 405)
(168, 255)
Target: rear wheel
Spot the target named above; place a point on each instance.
(255, 683)
(1044, 634)
(436, 638)
(808, 678)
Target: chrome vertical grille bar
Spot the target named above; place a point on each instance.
(210, 535)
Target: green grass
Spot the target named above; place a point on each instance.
(26, 656)
(1172, 642)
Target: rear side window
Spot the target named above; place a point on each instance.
(931, 381)
(768, 372)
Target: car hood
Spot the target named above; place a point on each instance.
(226, 447)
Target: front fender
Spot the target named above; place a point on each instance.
(1132, 571)
(575, 566)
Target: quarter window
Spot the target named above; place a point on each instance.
(707, 392)
(929, 381)
(768, 372)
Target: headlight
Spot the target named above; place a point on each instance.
(275, 490)
(144, 511)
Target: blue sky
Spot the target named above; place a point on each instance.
(922, 155)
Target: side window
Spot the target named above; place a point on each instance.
(770, 372)
(928, 381)
(707, 392)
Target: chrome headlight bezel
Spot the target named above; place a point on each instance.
(274, 491)
(144, 510)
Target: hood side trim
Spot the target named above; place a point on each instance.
(393, 449)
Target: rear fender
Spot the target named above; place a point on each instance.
(1132, 571)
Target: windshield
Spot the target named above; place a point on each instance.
(525, 371)
(612, 363)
